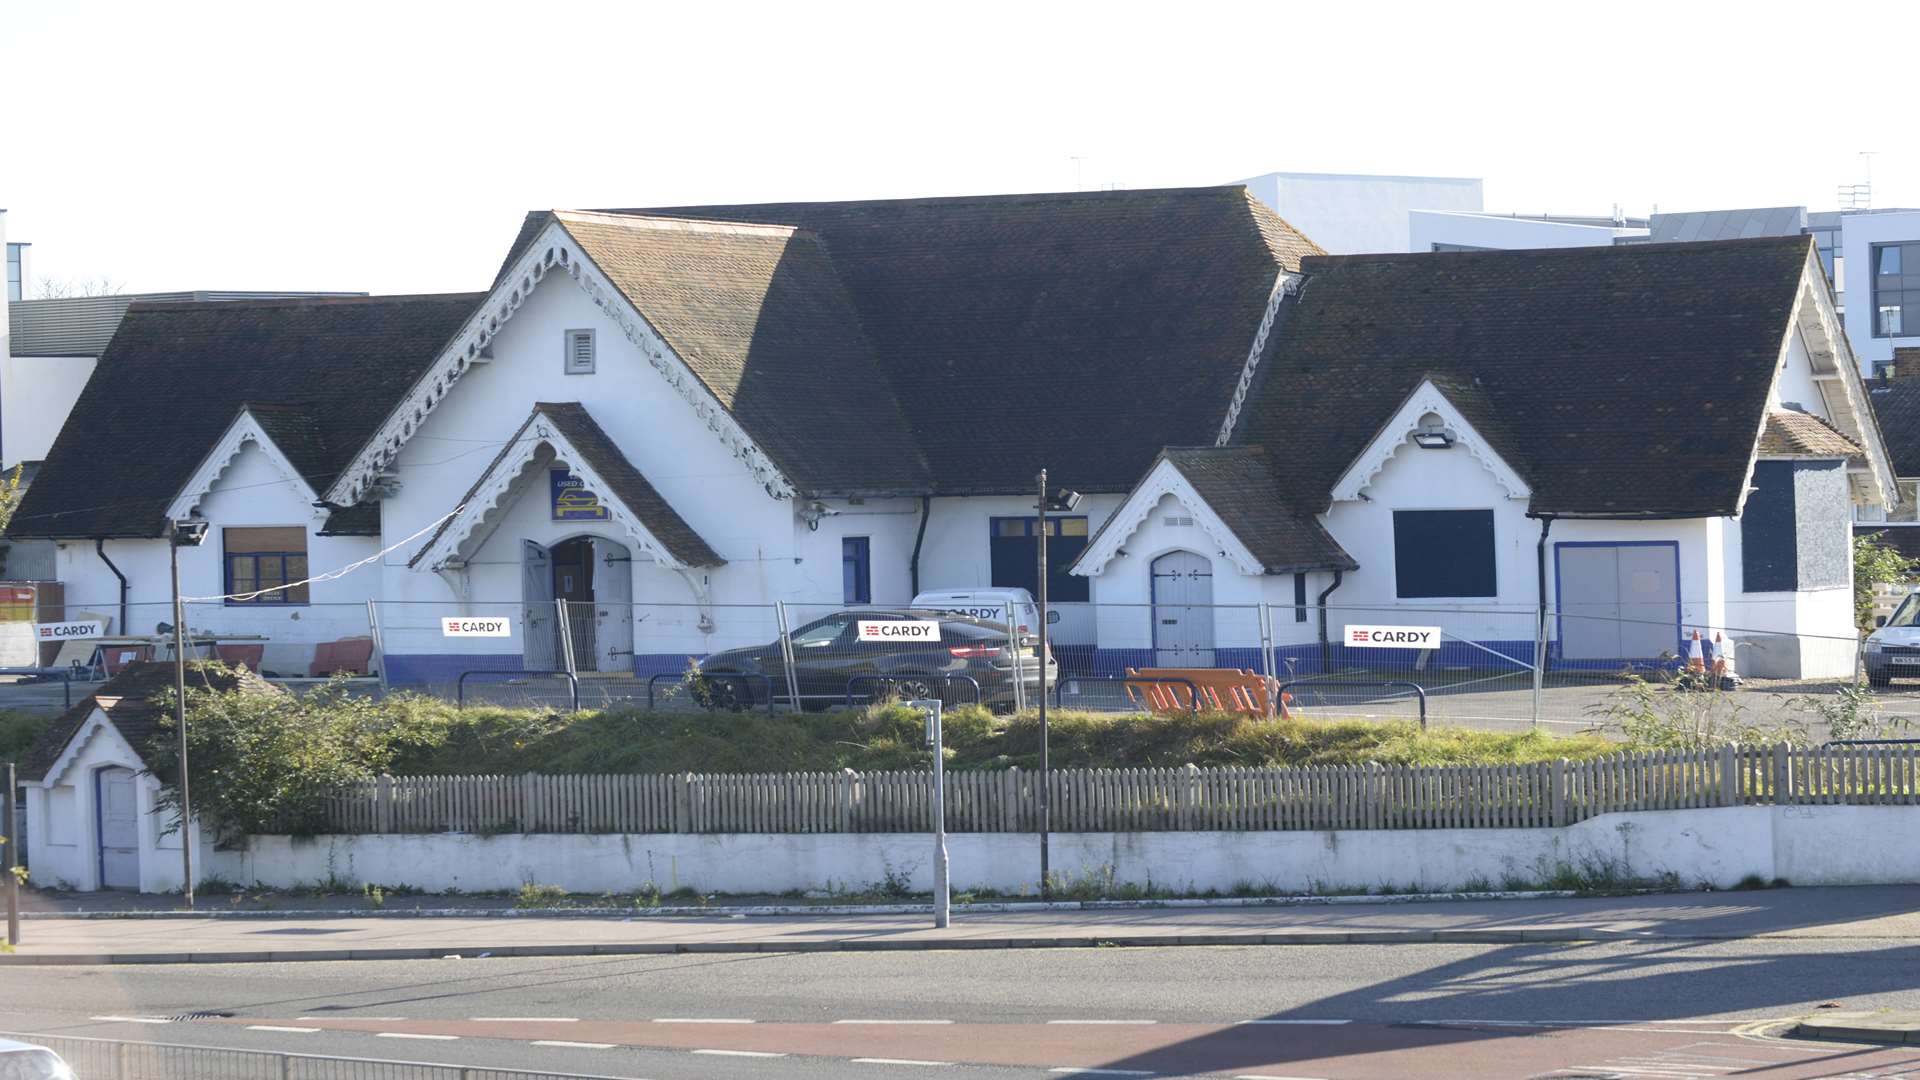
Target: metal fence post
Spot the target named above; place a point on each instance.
(786, 654)
(9, 832)
(566, 637)
(379, 643)
(1019, 675)
(1539, 660)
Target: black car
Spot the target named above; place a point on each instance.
(832, 658)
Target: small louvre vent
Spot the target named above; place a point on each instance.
(579, 352)
(1178, 522)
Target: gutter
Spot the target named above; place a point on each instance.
(100, 549)
(1326, 648)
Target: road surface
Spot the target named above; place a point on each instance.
(1635, 1010)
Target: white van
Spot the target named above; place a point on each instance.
(990, 604)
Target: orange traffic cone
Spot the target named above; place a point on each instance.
(1696, 656)
(1719, 657)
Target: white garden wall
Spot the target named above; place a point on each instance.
(1806, 845)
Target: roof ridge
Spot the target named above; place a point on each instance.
(1385, 258)
(297, 301)
(1004, 198)
(667, 223)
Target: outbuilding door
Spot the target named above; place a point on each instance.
(117, 824)
(1618, 601)
(1182, 610)
(539, 633)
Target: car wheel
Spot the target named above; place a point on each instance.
(729, 692)
(914, 687)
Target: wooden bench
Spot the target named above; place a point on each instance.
(1237, 690)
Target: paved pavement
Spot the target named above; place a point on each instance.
(1661, 1008)
(1865, 912)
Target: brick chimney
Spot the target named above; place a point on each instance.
(1906, 362)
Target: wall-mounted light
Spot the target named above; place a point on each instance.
(1432, 440)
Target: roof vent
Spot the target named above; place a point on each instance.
(1179, 521)
(579, 352)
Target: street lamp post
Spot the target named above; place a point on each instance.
(181, 534)
(1046, 823)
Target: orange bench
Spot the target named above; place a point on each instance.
(1238, 690)
(351, 656)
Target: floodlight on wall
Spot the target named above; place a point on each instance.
(1432, 434)
(1063, 500)
(187, 532)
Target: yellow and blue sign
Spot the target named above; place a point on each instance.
(572, 501)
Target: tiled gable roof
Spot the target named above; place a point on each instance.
(128, 699)
(761, 316)
(991, 319)
(1896, 404)
(1625, 381)
(1242, 486)
(320, 374)
(1790, 433)
(605, 459)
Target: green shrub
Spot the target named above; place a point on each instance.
(17, 732)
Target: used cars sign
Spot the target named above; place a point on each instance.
(495, 627)
(1393, 637)
(899, 629)
(71, 631)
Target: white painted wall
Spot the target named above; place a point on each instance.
(1348, 214)
(1806, 845)
(1858, 234)
(36, 395)
(251, 492)
(1429, 227)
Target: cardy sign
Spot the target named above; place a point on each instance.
(78, 630)
(899, 630)
(494, 627)
(1393, 637)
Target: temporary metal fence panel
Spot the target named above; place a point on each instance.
(115, 1059)
(1367, 796)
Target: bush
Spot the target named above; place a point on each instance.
(17, 732)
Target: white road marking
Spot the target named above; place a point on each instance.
(526, 1019)
(131, 1019)
(1104, 1022)
(1630, 1071)
(382, 1019)
(741, 1053)
(412, 1035)
(897, 1061)
(1276, 1022)
(571, 1045)
(697, 1020)
(1264, 1076)
(288, 1030)
(1077, 1070)
(893, 1021)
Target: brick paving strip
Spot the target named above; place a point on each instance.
(1857, 913)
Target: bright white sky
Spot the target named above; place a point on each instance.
(393, 147)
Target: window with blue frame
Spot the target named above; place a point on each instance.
(266, 559)
(856, 570)
(1014, 556)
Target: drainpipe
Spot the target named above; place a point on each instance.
(100, 549)
(1540, 625)
(1326, 648)
(913, 564)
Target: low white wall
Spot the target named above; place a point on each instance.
(1812, 845)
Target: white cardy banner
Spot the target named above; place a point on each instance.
(1392, 637)
(471, 627)
(899, 630)
(76, 630)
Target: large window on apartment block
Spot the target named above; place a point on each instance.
(1443, 553)
(856, 570)
(266, 558)
(1896, 290)
(1014, 556)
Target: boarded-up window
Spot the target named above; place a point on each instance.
(1445, 553)
(264, 561)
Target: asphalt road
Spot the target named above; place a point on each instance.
(1352, 1012)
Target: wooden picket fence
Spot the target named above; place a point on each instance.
(1128, 800)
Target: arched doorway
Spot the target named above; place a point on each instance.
(1182, 610)
(594, 576)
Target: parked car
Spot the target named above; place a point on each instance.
(1892, 651)
(990, 604)
(25, 1061)
(830, 653)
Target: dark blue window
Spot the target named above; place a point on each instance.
(1443, 553)
(856, 570)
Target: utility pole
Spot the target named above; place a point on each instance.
(13, 841)
(942, 875)
(1046, 822)
(182, 534)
